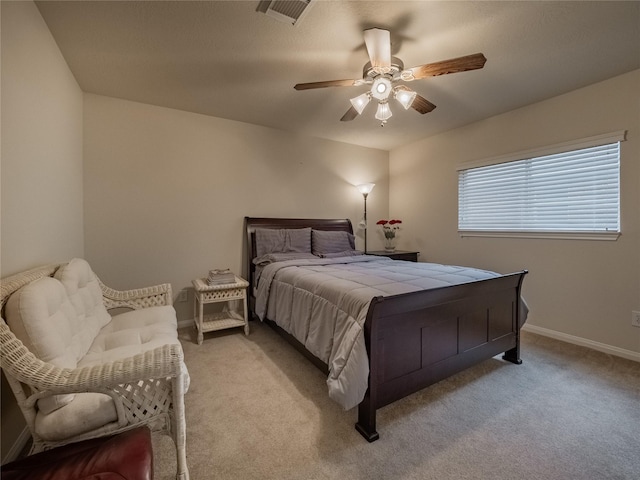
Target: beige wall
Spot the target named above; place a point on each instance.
(585, 289)
(166, 191)
(41, 170)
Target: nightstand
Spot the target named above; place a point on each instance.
(396, 255)
(234, 310)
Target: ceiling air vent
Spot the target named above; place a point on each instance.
(289, 11)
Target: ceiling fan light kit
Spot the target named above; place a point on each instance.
(383, 71)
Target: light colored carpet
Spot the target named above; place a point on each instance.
(257, 409)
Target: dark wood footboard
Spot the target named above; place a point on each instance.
(417, 339)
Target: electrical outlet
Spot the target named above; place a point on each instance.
(182, 296)
(635, 318)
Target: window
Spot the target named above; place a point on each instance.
(569, 190)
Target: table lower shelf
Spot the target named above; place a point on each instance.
(220, 321)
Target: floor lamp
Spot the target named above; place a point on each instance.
(365, 190)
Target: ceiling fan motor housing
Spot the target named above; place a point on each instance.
(369, 73)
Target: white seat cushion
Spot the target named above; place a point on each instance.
(131, 333)
(86, 412)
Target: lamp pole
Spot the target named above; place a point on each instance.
(365, 189)
(365, 221)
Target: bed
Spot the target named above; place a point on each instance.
(381, 329)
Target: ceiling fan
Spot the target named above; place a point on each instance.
(385, 73)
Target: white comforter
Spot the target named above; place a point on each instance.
(323, 303)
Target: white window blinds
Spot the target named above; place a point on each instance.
(573, 191)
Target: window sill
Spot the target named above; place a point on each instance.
(606, 236)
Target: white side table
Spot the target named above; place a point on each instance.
(232, 315)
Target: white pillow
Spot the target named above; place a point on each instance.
(42, 317)
(84, 291)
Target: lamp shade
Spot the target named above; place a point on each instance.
(360, 102)
(384, 112)
(365, 188)
(405, 97)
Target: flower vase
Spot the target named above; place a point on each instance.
(390, 244)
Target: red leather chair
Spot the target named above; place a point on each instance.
(126, 456)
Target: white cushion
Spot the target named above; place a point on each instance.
(42, 317)
(86, 412)
(83, 289)
(133, 332)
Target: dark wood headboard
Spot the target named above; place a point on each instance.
(251, 223)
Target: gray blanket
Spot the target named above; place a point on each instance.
(323, 303)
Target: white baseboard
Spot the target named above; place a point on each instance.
(583, 342)
(17, 446)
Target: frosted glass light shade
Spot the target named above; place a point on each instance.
(365, 188)
(384, 112)
(360, 102)
(405, 97)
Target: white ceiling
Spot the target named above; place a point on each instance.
(227, 59)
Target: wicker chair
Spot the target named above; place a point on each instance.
(146, 389)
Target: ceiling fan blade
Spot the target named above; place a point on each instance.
(378, 44)
(328, 83)
(350, 115)
(422, 105)
(453, 65)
